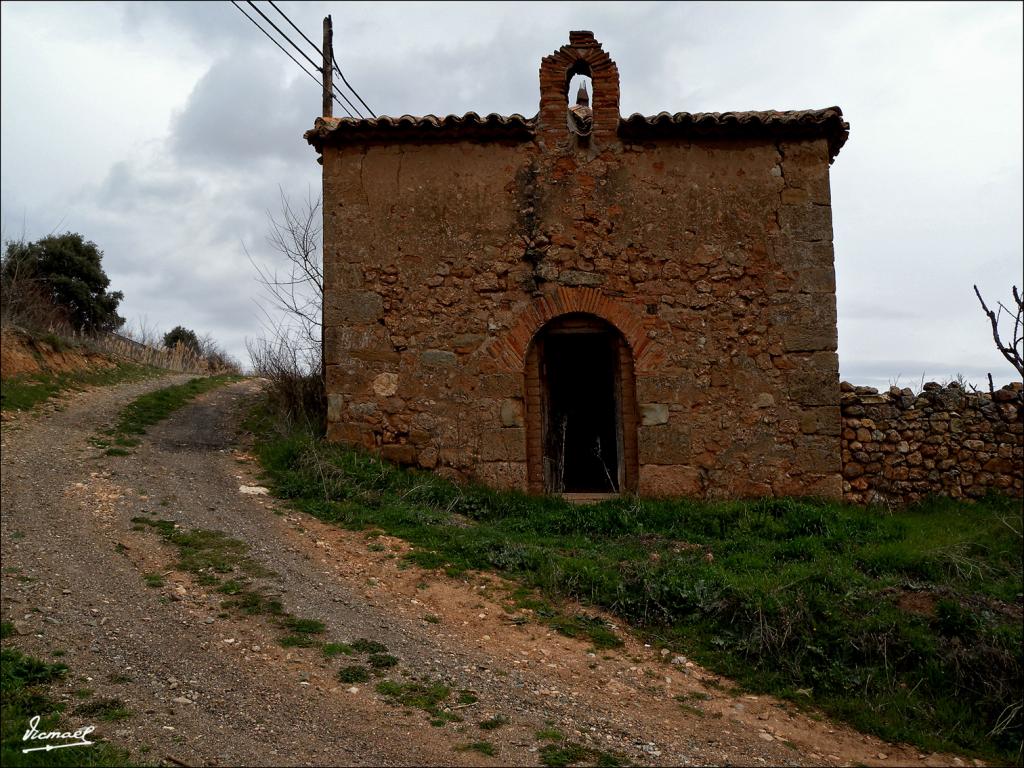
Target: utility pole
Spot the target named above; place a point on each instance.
(328, 67)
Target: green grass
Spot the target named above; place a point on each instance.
(104, 709)
(430, 696)
(303, 626)
(24, 684)
(330, 650)
(382, 660)
(296, 641)
(493, 722)
(354, 673)
(483, 747)
(369, 646)
(22, 393)
(571, 753)
(907, 625)
(152, 408)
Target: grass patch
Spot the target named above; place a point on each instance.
(231, 587)
(151, 408)
(905, 625)
(369, 646)
(6, 629)
(354, 674)
(206, 553)
(382, 660)
(330, 650)
(24, 693)
(591, 627)
(483, 747)
(22, 393)
(571, 753)
(494, 722)
(109, 709)
(296, 641)
(254, 603)
(154, 580)
(431, 697)
(303, 626)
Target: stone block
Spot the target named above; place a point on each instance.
(511, 413)
(653, 413)
(821, 421)
(807, 221)
(350, 434)
(671, 480)
(335, 403)
(664, 445)
(385, 384)
(438, 358)
(503, 475)
(507, 444)
(403, 454)
(577, 277)
(353, 307)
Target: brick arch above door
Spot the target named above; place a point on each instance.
(509, 349)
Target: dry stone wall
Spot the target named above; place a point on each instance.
(898, 447)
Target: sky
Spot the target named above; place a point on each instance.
(166, 132)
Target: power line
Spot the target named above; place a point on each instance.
(317, 68)
(285, 17)
(334, 60)
(284, 50)
(338, 70)
(282, 34)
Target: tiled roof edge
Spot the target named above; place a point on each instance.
(797, 124)
(429, 127)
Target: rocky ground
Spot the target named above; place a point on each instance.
(209, 687)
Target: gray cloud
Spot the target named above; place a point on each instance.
(242, 111)
(187, 120)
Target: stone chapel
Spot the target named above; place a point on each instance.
(582, 303)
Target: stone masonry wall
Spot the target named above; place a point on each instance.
(715, 261)
(713, 258)
(898, 447)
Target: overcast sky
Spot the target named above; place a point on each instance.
(161, 131)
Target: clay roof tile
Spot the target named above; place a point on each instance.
(769, 124)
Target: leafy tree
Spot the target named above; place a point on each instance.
(181, 335)
(68, 270)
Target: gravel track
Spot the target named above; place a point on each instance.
(208, 688)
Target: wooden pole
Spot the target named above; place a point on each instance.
(328, 68)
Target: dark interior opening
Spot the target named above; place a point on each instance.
(582, 426)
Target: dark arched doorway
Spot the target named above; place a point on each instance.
(581, 408)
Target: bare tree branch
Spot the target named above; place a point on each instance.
(1014, 350)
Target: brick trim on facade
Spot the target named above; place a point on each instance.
(509, 350)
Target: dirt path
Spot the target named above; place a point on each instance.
(214, 688)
